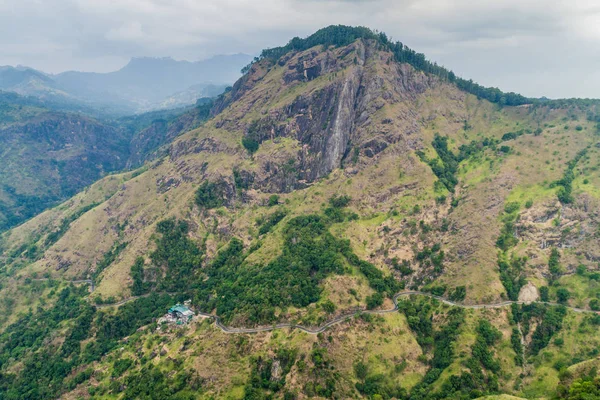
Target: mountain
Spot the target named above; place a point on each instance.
(144, 84)
(416, 235)
(148, 83)
(22, 79)
(50, 154)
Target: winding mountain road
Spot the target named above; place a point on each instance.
(344, 317)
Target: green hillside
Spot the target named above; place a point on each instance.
(358, 223)
(49, 154)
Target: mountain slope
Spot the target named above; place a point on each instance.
(49, 155)
(329, 177)
(52, 156)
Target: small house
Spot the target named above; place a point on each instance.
(181, 313)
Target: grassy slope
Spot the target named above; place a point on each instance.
(384, 190)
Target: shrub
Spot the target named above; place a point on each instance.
(250, 144)
(511, 207)
(273, 200)
(458, 294)
(339, 201)
(210, 195)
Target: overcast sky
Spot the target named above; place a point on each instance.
(535, 47)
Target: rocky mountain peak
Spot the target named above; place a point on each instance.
(326, 100)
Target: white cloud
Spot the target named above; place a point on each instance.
(128, 32)
(506, 43)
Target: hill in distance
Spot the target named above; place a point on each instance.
(340, 170)
(144, 84)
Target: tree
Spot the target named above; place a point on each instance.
(137, 276)
(250, 144)
(544, 293)
(563, 295)
(210, 195)
(339, 201)
(584, 389)
(361, 370)
(375, 300)
(554, 264)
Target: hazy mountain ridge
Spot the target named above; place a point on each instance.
(330, 177)
(142, 85)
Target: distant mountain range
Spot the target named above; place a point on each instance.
(144, 84)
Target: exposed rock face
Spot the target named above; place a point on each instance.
(336, 120)
(529, 293)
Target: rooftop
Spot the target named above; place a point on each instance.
(181, 309)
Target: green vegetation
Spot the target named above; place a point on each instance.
(257, 132)
(565, 192)
(335, 211)
(250, 144)
(446, 166)
(515, 341)
(511, 267)
(587, 388)
(262, 382)
(511, 274)
(176, 256)
(108, 258)
(150, 383)
(376, 385)
(210, 195)
(310, 253)
(554, 265)
(47, 366)
(268, 223)
(431, 257)
(507, 238)
(548, 318)
(339, 201)
(458, 293)
(138, 286)
(419, 316)
(273, 200)
(483, 366)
